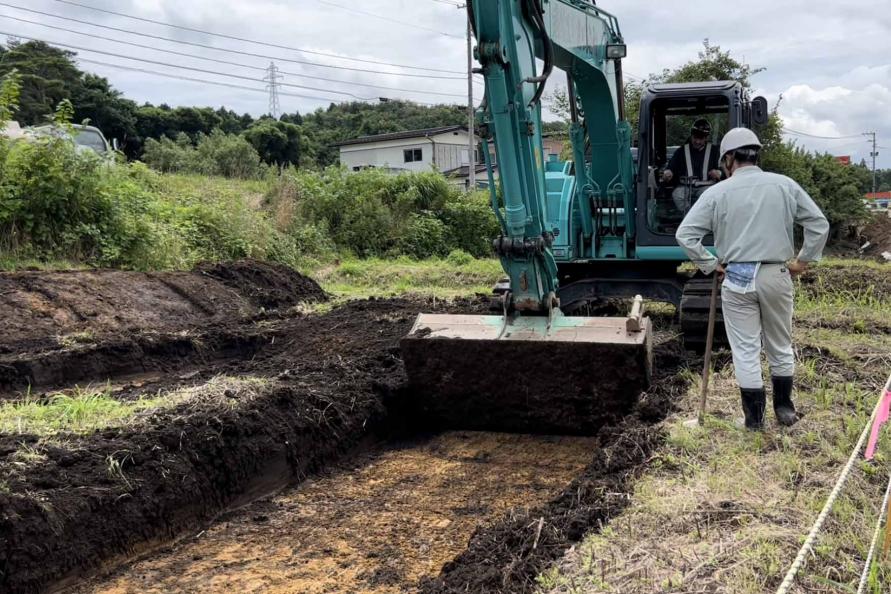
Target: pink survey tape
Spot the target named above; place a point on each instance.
(882, 415)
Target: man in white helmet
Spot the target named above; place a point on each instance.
(752, 215)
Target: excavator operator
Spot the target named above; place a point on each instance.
(694, 166)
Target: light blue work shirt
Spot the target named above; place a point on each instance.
(752, 215)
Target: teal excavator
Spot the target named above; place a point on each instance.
(573, 232)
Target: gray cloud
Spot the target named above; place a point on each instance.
(830, 61)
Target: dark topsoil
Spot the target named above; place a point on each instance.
(101, 498)
(64, 327)
(37, 307)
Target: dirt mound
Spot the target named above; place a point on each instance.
(39, 308)
(266, 284)
(878, 235)
(863, 282)
(92, 324)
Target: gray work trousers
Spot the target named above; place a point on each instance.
(763, 314)
(685, 196)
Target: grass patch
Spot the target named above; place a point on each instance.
(851, 294)
(11, 262)
(85, 410)
(374, 277)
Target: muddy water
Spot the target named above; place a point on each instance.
(377, 524)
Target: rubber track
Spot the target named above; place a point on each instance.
(694, 315)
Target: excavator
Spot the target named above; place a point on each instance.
(573, 232)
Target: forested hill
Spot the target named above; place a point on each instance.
(49, 74)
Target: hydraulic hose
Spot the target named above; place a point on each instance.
(536, 13)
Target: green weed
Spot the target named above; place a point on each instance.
(85, 410)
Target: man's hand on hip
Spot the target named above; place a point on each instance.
(796, 267)
(719, 270)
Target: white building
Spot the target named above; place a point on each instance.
(441, 149)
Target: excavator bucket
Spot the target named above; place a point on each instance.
(566, 376)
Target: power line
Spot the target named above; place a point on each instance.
(377, 16)
(218, 83)
(167, 64)
(797, 133)
(228, 62)
(231, 51)
(198, 80)
(235, 38)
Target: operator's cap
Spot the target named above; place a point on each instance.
(738, 138)
(701, 127)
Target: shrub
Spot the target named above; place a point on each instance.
(372, 213)
(425, 236)
(53, 198)
(228, 155)
(472, 224)
(459, 258)
(167, 155)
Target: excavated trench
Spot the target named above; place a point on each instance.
(298, 463)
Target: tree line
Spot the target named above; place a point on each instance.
(49, 74)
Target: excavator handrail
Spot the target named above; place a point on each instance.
(599, 12)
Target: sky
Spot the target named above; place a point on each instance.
(828, 65)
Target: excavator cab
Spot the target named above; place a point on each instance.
(667, 113)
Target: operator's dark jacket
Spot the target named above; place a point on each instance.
(678, 166)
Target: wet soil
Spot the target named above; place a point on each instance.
(505, 556)
(110, 494)
(377, 523)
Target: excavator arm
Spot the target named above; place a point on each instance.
(577, 37)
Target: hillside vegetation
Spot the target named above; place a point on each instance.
(60, 204)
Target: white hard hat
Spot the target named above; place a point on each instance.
(738, 138)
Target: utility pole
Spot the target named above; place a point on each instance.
(471, 162)
(873, 154)
(272, 79)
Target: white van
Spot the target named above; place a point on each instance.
(86, 138)
(13, 131)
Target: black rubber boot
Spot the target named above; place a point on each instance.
(753, 404)
(782, 401)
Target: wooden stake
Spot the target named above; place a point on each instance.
(709, 340)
